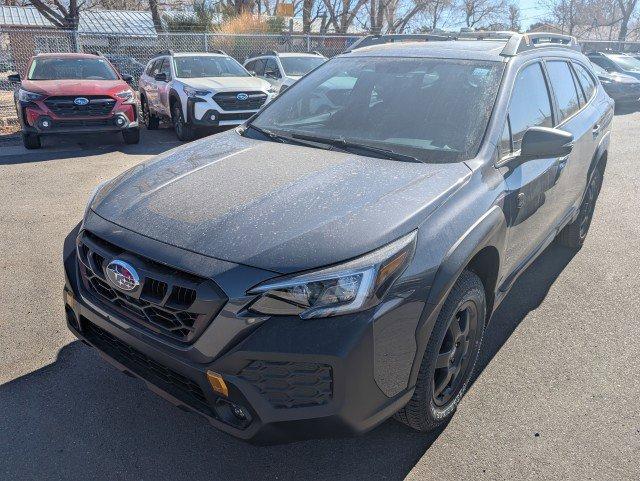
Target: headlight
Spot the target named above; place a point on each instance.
(26, 96)
(605, 81)
(125, 95)
(350, 287)
(191, 92)
(273, 90)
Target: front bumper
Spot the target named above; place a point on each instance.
(37, 119)
(292, 379)
(201, 113)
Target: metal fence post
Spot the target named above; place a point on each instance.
(308, 43)
(206, 42)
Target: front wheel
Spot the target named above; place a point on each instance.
(450, 356)
(131, 136)
(184, 131)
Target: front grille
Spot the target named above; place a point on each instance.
(229, 100)
(98, 106)
(238, 116)
(183, 388)
(82, 123)
(291, 384)
(169, 302)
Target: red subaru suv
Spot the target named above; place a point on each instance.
(73, 93)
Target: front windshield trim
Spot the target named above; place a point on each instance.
(178, 74)
(431, 155)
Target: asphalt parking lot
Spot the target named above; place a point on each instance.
(556, 396)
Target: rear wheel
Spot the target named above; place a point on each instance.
(184, 131)
(150, 120)
(131, 136)
(574, 234)
(450, 356)
(31, 141)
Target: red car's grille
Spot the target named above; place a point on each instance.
(66, 106)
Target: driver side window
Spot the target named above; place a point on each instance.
(530, 106)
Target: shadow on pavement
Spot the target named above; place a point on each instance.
(78, 418)
(86, 145)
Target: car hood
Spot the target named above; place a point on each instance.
(622, 78)
(279, 207)
(227, 83)
(75, 87)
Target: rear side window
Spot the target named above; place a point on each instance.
(586, 81)
(250, 65)
(564, 88)
(530, 105)
(272, 67)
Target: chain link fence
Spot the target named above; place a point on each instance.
(130, 53)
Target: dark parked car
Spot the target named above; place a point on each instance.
(616, 62)
(622, 88)
(126, 65)
(334, 261)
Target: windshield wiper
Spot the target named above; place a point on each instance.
(343, 144)
(285, 139)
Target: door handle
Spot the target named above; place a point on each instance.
(596, 129)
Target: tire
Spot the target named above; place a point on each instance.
(465, 307)
(184, 131)
(574, 234)
(150, 120)
(131, 136)
(31, 141)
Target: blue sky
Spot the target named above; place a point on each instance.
(530, 12)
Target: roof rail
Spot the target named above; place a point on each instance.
(164, 52)
(519, 43)
(270, 52)
(486, 35)
(97, 53)
(316, 52)
(217, 50)
(382, 39)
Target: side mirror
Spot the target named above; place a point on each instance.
(161, 77)
(544, 143)
(127, 78)
(14, 78)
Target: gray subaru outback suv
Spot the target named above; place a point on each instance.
(334, 261)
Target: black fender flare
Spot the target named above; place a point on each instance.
(488, 231)
(174, 96)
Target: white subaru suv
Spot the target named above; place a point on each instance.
(282, 70)
(199, 90)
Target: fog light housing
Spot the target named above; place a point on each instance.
(213, 116)
(217, 383)
(120, 121)
(45, 123)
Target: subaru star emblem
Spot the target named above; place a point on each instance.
(122, 275)
(81, 101)
(242, 96)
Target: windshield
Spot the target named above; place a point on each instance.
(435, 110)
(627, 63)
(208, 66)
(299, 66)
(71, 69)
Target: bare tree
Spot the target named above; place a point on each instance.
(342, 13)
(62, 15)
(478, 12)
(514, 18)
(627, 9)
